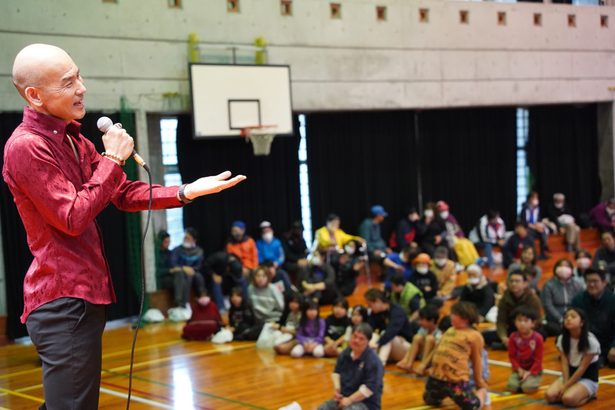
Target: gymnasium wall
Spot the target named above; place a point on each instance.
(505, 54)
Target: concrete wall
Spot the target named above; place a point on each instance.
(354, 62)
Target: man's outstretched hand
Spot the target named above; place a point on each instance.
(211, 185)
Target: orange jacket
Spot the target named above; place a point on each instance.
(246, 251)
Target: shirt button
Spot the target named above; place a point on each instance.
(55, 132)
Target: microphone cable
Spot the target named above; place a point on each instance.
(134, 338)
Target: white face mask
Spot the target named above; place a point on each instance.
(473, 280)
(268, 237)
(428, 213)
(444, 214)
(584, 263)
(422, 269)
(440, 261)
(350, 250)
(316, 261)
(563, 272)
(188, 244)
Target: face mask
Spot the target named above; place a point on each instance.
(237, 236)
(350, 250)
(559, 205)
(428, 213)
(474, 280)
(422, 269)
(444, 214)
(188, 244)
(316, 261)
(268, 237)
(563, 272)
(534, 202)
(584, 263)
(330, 226)
(440, 261)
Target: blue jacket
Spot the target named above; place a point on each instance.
(272, 251)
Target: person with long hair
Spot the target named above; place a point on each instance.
(310, 334)
(579, 351)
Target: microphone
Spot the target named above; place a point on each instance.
(104, 123)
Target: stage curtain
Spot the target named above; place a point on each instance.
(563, 154)
(270, 193)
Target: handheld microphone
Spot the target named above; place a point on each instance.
(104, 123)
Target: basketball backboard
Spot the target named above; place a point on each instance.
(229, 98)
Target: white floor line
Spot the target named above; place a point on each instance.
(136, 398)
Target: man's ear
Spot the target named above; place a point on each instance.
(33, 96)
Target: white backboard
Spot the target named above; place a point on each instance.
(226, 98)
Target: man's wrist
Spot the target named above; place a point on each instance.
(181, 195)
(114, 158)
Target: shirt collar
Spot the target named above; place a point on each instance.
(49, 126)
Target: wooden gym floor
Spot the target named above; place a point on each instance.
(170, 373)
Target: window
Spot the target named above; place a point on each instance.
(381, 13)
(424, 15)
(523, 172)
(464, 16)
(304, 184)
(232, 6)
(168, 139)
(501, 18)
(604, 21)
(174, 4)
(336, 10)
(572, 20)
(286, 7)
(537, 19)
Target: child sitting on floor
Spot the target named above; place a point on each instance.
(288, 324)
(425, 339)
(311, 332)
(525, 348)
(336, 323)
(579, 353)
(242, 320)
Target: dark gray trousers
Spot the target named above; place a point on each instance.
(67, 333)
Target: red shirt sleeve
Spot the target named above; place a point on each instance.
(513, 353)
(537, 365)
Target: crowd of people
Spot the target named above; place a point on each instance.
(273, 289)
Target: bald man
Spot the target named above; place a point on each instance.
(60, 184)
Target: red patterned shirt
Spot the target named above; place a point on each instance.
(58, 199)
(526, 352)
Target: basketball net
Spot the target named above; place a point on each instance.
(259, 137)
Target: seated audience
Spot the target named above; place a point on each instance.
(347, 266)
(583, 262)
(445, 272)
(370, 231)
(398, 263)
(511, 251)
(579, 352)
(425, 340)
(405, 232)
(337, 323)
(598, 302)
(278, 277)
(406, 295)
(358, 375)
(431, 230)
(452, 228)
(243, 246)
(559, 214)
(164, 276)
(525, 348)
(489, 232)
(317, 281)
(557, 295)
(527, 263)
(186, 262)
(478, 291)
(603, 215)
(396, 332)
(449, 362)
(310, 334)
(269, 248)
(242, 319)
(222, 272)
(517, 294)
(288, 323)
(330, 238)
(533, 217)
(295, 249)
(423, 278)
(266, 299)
(604, 258)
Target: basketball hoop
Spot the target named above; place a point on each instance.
(261, 137)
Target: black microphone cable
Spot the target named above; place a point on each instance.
(138, 325)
